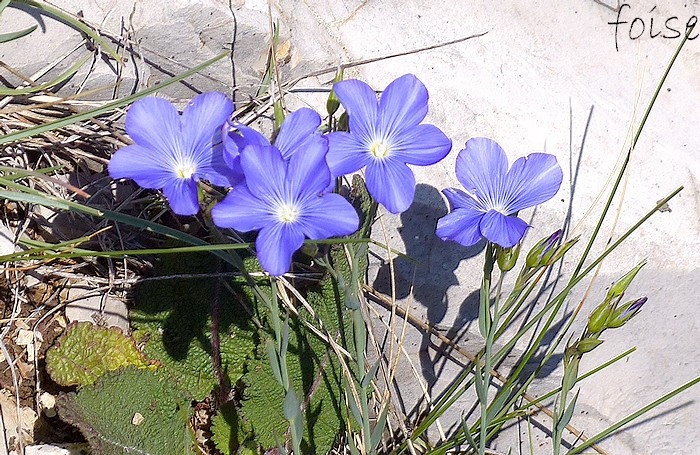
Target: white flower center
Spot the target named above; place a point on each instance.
(185, 171)
(287, 213)
(379, 149)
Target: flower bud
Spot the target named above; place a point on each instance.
(333, 103)
(534, 257)
(507, 257)
(343, 122)
(278, 112)
(621, 285)
(309, 249)
(587, 345)
(555, 254)
(626, 312)
(597, 321)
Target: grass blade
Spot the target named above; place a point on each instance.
(6, 37)
(37, 88)
(18, 135)
(76, 24)
(620, 423)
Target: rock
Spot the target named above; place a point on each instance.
(27, 417)
(48, 404)
(90, 308)
(7, 240)
(63, 449)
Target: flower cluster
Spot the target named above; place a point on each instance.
(284, 189)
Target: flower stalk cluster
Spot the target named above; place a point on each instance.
(609, 314)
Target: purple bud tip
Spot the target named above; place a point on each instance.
(554, 238)
(639, 303)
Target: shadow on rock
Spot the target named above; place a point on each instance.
(433, 276)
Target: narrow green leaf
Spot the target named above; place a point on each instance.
(620, 423)
(3, 4)
(75, 23)
(353, 448)
(354, 409)
(11, 36)
(291, 405)
(280, 447)
(468, 435)
(479, 383)
(497, 404)
(37, 88)
(274, 361)
(379, 428)
(566, 417)
(370, 374)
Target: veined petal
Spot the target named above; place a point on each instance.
(242, 211)
(461, 226)
(202, 120)
(330, 215)
(308, 172)
(503, 230)
(459, 199)
(532, 180)
(182, 196)
(391, 183)
(275, 246)
(150, 168)
(218, 171)
(346, 154)
(404, 104)
(235, 141)
(154, 123)
(265, 171)
(481, 168)
(360, 102)
(421, 145)
(295, 129)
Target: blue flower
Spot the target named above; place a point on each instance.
(495, 194)
(295, 130)
(173, 152)
(384, 137)
(282, 199)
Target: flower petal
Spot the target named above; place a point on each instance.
(202, 120)
(459, 199)
(461, 226)
(421, 145)
(182, 196)
(503, 230)
(330, 215)
(147, 167)
(404, 104)
(532, 180)
(218, 171)
(242, 211)
(360, 102)
(295, 129)
(308, 172)
(264, 170)
(391, 183)
(235, 137)
(481, 168)
(154, 123)
(346, 154)
(275, 246)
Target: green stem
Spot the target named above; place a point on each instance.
(360, 336)
(487, 326)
